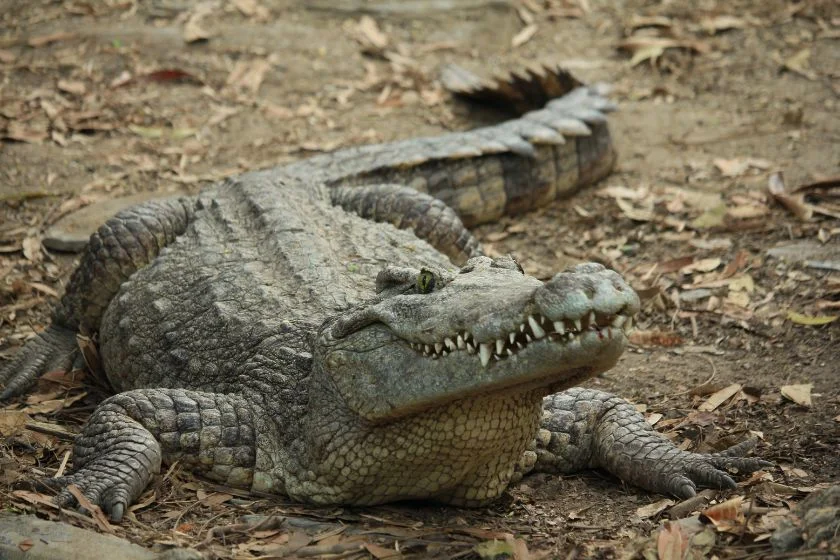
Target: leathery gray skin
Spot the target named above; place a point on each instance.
(303, 330)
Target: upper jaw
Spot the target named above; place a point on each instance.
(533, 328)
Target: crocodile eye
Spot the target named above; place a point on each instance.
(425, 282)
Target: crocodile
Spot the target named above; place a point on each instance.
(331, 331)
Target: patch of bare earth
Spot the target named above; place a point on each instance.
(105, 99)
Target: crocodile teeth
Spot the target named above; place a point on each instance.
(559, 327)
(459, 341)
(500, 346)
(578, 325)
(427, 349)
(535, 327)
(509, 352)
(449, 343)
(470, 348)
(484, 353)
(438, 347)
(592, 321)
(522, 327)
(512, 337)
(629, 325)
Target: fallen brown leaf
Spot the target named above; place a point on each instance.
(74, 87)
(525, 34)
(719, 397)
(655, 338)
(800, 394)
(794, 203)
(43, 40)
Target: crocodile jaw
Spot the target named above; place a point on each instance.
(517, 333)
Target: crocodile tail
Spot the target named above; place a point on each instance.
(485, 173)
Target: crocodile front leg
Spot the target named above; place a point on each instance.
(128, 436)
(584, 428)
(124, 244)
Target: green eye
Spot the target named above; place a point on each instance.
(425, 282)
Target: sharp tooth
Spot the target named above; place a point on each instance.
(449, 343)
(509, 352)
(618, 321)
(500, 346)
(522, 327)
(427, 348)
(438, 347)
(467, 336)
(470, 348)
(559, 327)
(484, 353)
(460, 342)
(528, 338)
(577, 325)
(592, 321)
(629, 325)
(519, 345)
(535, 327)
(512, 337)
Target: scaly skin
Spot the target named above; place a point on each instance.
(302, 330)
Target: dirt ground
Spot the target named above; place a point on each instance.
(105, 99)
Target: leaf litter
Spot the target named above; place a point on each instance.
(700, 223)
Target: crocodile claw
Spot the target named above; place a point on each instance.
(105, 489)
(53, 349)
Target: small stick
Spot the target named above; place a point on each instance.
(60, 472)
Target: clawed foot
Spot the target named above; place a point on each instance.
(680, 473)
(53, 349)
(112, 491)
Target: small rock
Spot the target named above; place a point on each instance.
(71, 232)
(26, 537)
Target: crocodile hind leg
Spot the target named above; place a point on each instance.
(584, 428)
(125, 243)
(431, 219)
(130, 434)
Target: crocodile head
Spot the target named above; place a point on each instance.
(431, 337)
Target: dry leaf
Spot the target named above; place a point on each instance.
(94, 510)
(726, 516)
(671, 542)
(248, 75)
(740, 165)
(719, 397)
(370, 34)
(644, 48)
(72, 86)
(794, 203)
(193, 30)
(810, 320)
(800, 394)
(524, 35)
(712, 25)
(702, 265)
(650, 510)
(655, 338)
(747, 211)
(53, 405)
(24, 132)
(32, 248)
(12, 422)
(25, 545)
(43, 40)
(799, 64)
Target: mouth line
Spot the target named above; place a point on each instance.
(535, 328)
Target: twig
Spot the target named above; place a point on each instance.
(60, 472)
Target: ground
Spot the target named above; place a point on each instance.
(104, 99)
